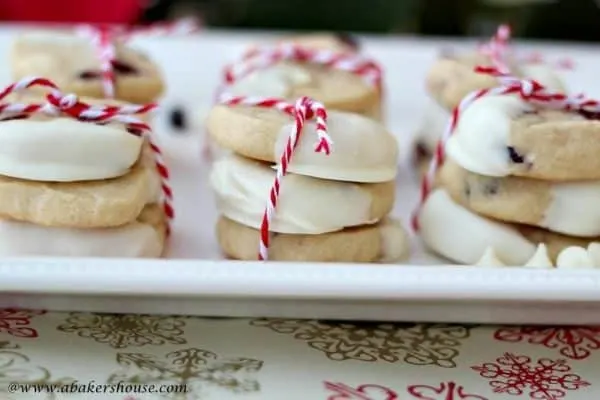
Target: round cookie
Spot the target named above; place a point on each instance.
(383, 242)
(363, 150)
(305, 205)
(92, 204)
(451, 78)
(569, 208)
(462, 236)
(504, 135)
(336, 89)
(144, 237)
(72, 63)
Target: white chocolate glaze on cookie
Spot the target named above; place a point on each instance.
(305, 206)
(65, 150)
(482, 135)
(363, 150)
(433, 123)
(275, 81)
(135, 239)
(462, 236)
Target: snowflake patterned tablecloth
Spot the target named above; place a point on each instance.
(291, 360)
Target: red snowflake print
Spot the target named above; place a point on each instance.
(574, 342)
(363, 392)
(444, 391)
(15, 322)
(544, 380)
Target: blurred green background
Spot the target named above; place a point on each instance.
(541, 19)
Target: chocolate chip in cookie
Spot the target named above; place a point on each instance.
(515, 156)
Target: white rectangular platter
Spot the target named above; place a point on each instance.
(195, 280)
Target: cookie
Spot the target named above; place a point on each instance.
(569, 208)
(504, 135)
(462, 236)
(363, 150)
(383, 242)
(451, 78)
(305, 206)
(144, 237)
(72, 63)
(88, 204)
(336, 89)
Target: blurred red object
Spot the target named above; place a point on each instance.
(72, 11)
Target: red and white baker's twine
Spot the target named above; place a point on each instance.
(498, 49)
(103, 39)
(59, 104)
(264, 57)
(304, 109)
(528, 90)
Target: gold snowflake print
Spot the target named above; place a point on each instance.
(197, 372)
(121, 331)
(417, 344)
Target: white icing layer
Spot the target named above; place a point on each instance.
(489, 259)
(482, 135)
(394, 241)
(574, 209)
(574, 258)
(305, 206)
(540, 259)
(65, 150)
(462, 236)
(275, 81)
(433, 123)
(131, 240)
(363, 150)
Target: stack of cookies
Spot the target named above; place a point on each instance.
(516, 174)
(73, 61)
(330, 208)
(74, 188)
(451, 78)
